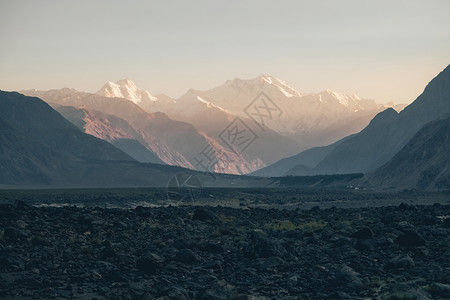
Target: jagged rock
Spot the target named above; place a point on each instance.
(348, 277)
(151, 263)
(364, 234)
(187, 256)
(242, 255)
(410, 238)
(439, 290)
(401, 261)
(203, 214)
(14, 233)
(261, 246)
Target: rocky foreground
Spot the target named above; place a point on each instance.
(400, 252)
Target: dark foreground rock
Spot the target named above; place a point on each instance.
(224, 253)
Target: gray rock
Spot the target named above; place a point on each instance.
(440, 290)
(348, 277)
(187, 256)
(21, 224)
(151, 263)
(365, 245)
(14, 233)
(212, 265)
(339, 240)
(401, 261)
(104, 266)
(410, 238)
(203, 214)
(261, 246)
(292, 281)
(219, 291)
(269, 263)
(364, 233)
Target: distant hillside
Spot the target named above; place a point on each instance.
(424, 163)
(387, 133)
(112, 129)
(167, 138)
(39, 148)
(299, 164)
(174, 142)
(310, 119)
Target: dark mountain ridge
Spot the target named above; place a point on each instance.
(376, 144)
(424, 162)
(389, 131)
(40, 149)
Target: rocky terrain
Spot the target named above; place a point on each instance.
(192, 252)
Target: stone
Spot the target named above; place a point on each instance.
(187, 256)
(364, 234)
(439, 290)
(410, 238)
(401, 261)
(151, 263)
(203, 214)
(348, 277)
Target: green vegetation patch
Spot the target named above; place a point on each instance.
(288, 225)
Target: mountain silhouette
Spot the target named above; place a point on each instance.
(386, 135)
(423, 163)
(40, 148)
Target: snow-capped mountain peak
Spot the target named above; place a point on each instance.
(285, 88)
(268, 79)
(127, 82)
(266, 83)
(346, 100)
(126, 88)
(209, 104)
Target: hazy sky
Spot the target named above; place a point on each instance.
(384, 50)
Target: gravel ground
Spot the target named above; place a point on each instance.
(201, 252)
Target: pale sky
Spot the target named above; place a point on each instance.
(382, 50)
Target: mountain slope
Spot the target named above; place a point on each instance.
(40, 148)
(299, 121)
(167, 138)
(423, 163)
(269, 147)
(35, 118)
(307, 118)
(175, 142)
(211, 119)
(114, 130)
(388, 132)
(126, 89)
(369, 149)
(299, 164)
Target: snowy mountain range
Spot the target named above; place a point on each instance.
(108, 135)
(39, 148)
(387, 134)
(268, 103)
(127, 89)
(173, 142)
(279, 121)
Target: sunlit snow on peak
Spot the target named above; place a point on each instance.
(127, 89)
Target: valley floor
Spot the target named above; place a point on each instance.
(246, 248)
